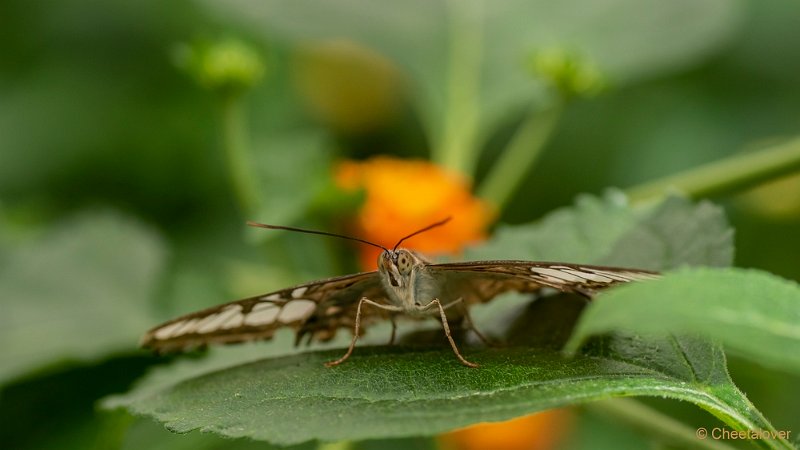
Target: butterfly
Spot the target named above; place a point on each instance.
(405, 284)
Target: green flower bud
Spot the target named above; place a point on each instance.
(229, 66)
(569, 73)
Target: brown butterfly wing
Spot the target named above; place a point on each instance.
(318, 308)
(481, 281)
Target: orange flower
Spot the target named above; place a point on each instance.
(403, 196)
(540, 431)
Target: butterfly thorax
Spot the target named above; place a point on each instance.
(406, 280)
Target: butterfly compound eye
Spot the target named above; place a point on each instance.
(404, 262)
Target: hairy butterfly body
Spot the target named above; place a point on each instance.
(404, 284)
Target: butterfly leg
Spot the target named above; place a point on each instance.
(356, 328)
(447, 332)
(394, 330)
(470, 323)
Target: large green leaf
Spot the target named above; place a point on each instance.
(753, 313)
(396, 392)
(79, 292)
(420, 389)
(675, 234)
(608, 231)
(466, 59)
(584, 232)
(145, 434)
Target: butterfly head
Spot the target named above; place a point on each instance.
(397, 266)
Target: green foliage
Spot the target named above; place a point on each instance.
(393, 393)
(608, 231)
(381, 393)
(586, 231)
(229, 66)
(753, 313)
(466, 59)
(92, 276)
(147, 434)
(284, 196)
(94, 112)
(568, 73)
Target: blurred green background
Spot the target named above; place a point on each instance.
(118, 207)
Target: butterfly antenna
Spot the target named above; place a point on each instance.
(433, 225)
(303, 230)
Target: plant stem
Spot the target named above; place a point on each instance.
(518, 157)
(237, 152)
(457, 149)
(724, 401)
(654, 423)
(740, 414)
(726, 176)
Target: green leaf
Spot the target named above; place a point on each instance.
(585, 232)
(607, 231)
(392, 392)
(418, 389)
(753, 313)
(79, 292)
(676, 233)
(145, 434)
(466, 59)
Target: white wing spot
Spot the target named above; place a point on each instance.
(188, 327)
(235, 320)
(553, 273)
(296, 310)
(166, 331)
(612, 275)
(203, 324)
(273, 297)
(641, 276)
(262, 314)
(263, 305)
(213, 322)
(590, 276)
(297, 293)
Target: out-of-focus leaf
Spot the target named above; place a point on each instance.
(79, 292)
(595, 432)
(292, 170)
(584, 233)
(608, 231)
(145, 434)
(752, 313)
(676, 233)
(466, 59)
(65, 400)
